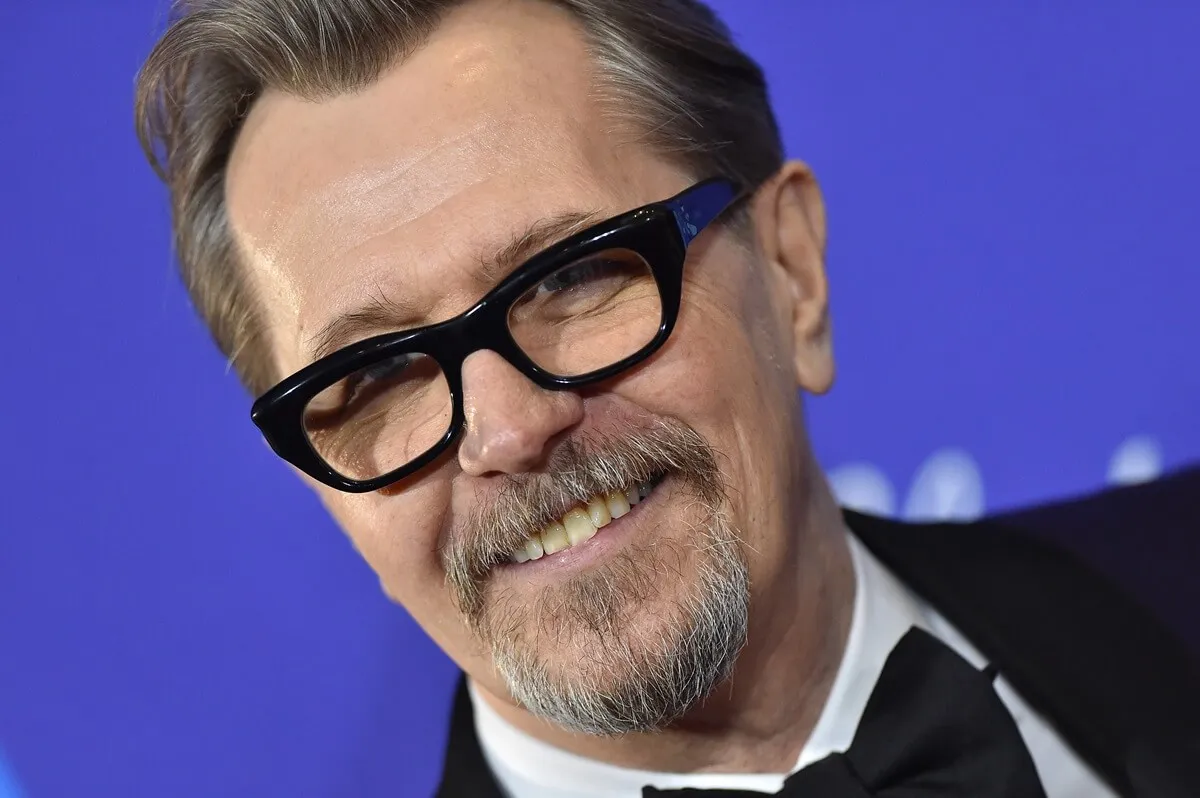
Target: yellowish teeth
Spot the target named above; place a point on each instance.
(618, 505)
(597, 509)
(554, 538)
(580, 523)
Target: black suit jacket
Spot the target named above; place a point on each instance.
(1102, 667)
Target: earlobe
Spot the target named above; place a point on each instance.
(815, 366)
(793, 237)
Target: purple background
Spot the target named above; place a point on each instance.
(1012, 190)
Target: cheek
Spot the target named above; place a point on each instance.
(397, 536)
(726, 371)
(727, 358)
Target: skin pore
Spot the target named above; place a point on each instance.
(403, 190)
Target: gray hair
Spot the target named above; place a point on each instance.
(670, 65)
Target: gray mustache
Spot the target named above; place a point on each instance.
(578, 469)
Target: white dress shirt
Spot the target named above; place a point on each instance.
(884, 611)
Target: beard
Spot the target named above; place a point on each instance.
(636, 642)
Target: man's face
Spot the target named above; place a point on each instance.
(397, 196)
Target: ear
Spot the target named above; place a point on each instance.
(789, 217)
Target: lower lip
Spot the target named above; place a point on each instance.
(607, 539)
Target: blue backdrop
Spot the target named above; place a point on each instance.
(1013, 195)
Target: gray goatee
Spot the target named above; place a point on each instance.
(637, 642)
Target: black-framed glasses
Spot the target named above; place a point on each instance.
(577, 313)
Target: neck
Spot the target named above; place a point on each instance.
(760, 718)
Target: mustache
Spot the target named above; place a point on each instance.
(578, 469)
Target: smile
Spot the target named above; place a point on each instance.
(581, 523)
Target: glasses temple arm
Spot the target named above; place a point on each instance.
(696, 208)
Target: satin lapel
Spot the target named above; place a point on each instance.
(1101, 669)
(465, 773)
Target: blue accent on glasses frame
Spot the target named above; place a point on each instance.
(696, 208)
(659, 233)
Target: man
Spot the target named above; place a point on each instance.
(526, 290)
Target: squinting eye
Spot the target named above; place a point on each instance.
(389, 369)
(573, 276)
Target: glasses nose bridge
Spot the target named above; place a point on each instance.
(482, 328)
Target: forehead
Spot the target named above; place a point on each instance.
(393, 191)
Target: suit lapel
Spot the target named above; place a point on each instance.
(1101, 669)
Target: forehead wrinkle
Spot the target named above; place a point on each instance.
(406, 186)
(347, 214)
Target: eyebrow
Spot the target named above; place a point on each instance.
(383, 314)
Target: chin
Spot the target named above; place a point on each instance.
(631, 646)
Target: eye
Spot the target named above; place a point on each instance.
(588, 313)
(574, 275)
(595, 284)
(381, 374)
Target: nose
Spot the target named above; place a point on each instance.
(510, 421)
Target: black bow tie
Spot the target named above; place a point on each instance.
(933, 726)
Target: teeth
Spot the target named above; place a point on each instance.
(618, 505)
(597, 509)
(579, 526)
(581, 523)
(554, 538)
